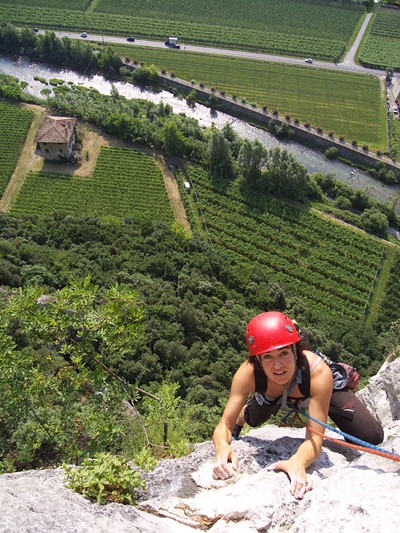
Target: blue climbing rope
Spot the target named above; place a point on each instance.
(347, 436)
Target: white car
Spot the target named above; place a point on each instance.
(84, 34)
(308, 60)
(395, 109)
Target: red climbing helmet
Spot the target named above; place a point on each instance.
(270, 331)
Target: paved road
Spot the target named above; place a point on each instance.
(347, 65)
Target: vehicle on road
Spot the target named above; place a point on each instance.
(172, 42)
(395, 109)
(308, 60)
(36, 30)
(84, 34)
(130, 39)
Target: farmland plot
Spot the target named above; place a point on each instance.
(333, 100)
(293, 27)
(382, 47)
(14, 125)
(328, 266)
(125, 183)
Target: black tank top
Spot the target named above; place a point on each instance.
(302, 380)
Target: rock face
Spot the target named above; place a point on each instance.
(353, 491)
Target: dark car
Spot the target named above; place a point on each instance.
(130, 39)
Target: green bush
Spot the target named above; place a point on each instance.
(331, 153)
(105, 478)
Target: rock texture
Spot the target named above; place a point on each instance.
(353, 491)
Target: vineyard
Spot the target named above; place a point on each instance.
(391, 303)
(330, 267)
(320, 29)
(125, 183)
(333, 100)
(382, 47)
(14, 124)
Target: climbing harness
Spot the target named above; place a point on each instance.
(361, 445)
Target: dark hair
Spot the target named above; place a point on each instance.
(301, 360)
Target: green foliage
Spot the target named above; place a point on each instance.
(375, 222)
(359, 199)
(331, 153)
(164, 419)
(146, 75)
(212, 100)
(145, 460)
(109, 62)
(105, 478)
(191, 98)
(219, 156)
(173, 139)
(251, 159)
(342, 202)
(59, 398)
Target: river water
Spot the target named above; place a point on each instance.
(311, 159)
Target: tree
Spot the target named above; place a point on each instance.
(9, 39)
(389, 74)
(332, 152)
(342, 202)
(285, 176)
(59, 399)
(375, 222)
(220, 161)
(110, 62)
(146, 75)
(251, 159)
(191, 98)
(173, 140)
(213, 100)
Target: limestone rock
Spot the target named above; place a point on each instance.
(353, 490)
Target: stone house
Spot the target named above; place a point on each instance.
(56, 137)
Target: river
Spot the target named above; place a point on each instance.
(311, 159)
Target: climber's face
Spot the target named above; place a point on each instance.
(279, 365)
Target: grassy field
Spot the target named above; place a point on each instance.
(349, 104)
(381, 49)
(292, 27)
(329, 266)
(14, 124)
(125, 183)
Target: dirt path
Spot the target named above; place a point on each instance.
(92, 141)
(173, 192)
(348, 60)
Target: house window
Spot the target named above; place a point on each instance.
(46, 150)
(61, 150)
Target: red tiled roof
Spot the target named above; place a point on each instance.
(55, 130)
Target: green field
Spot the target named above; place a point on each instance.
(14, 124)
(349, 104)
(330, 267)
(292, 27)
(125, 183)
(382, 47)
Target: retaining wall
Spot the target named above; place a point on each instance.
(307, 135)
